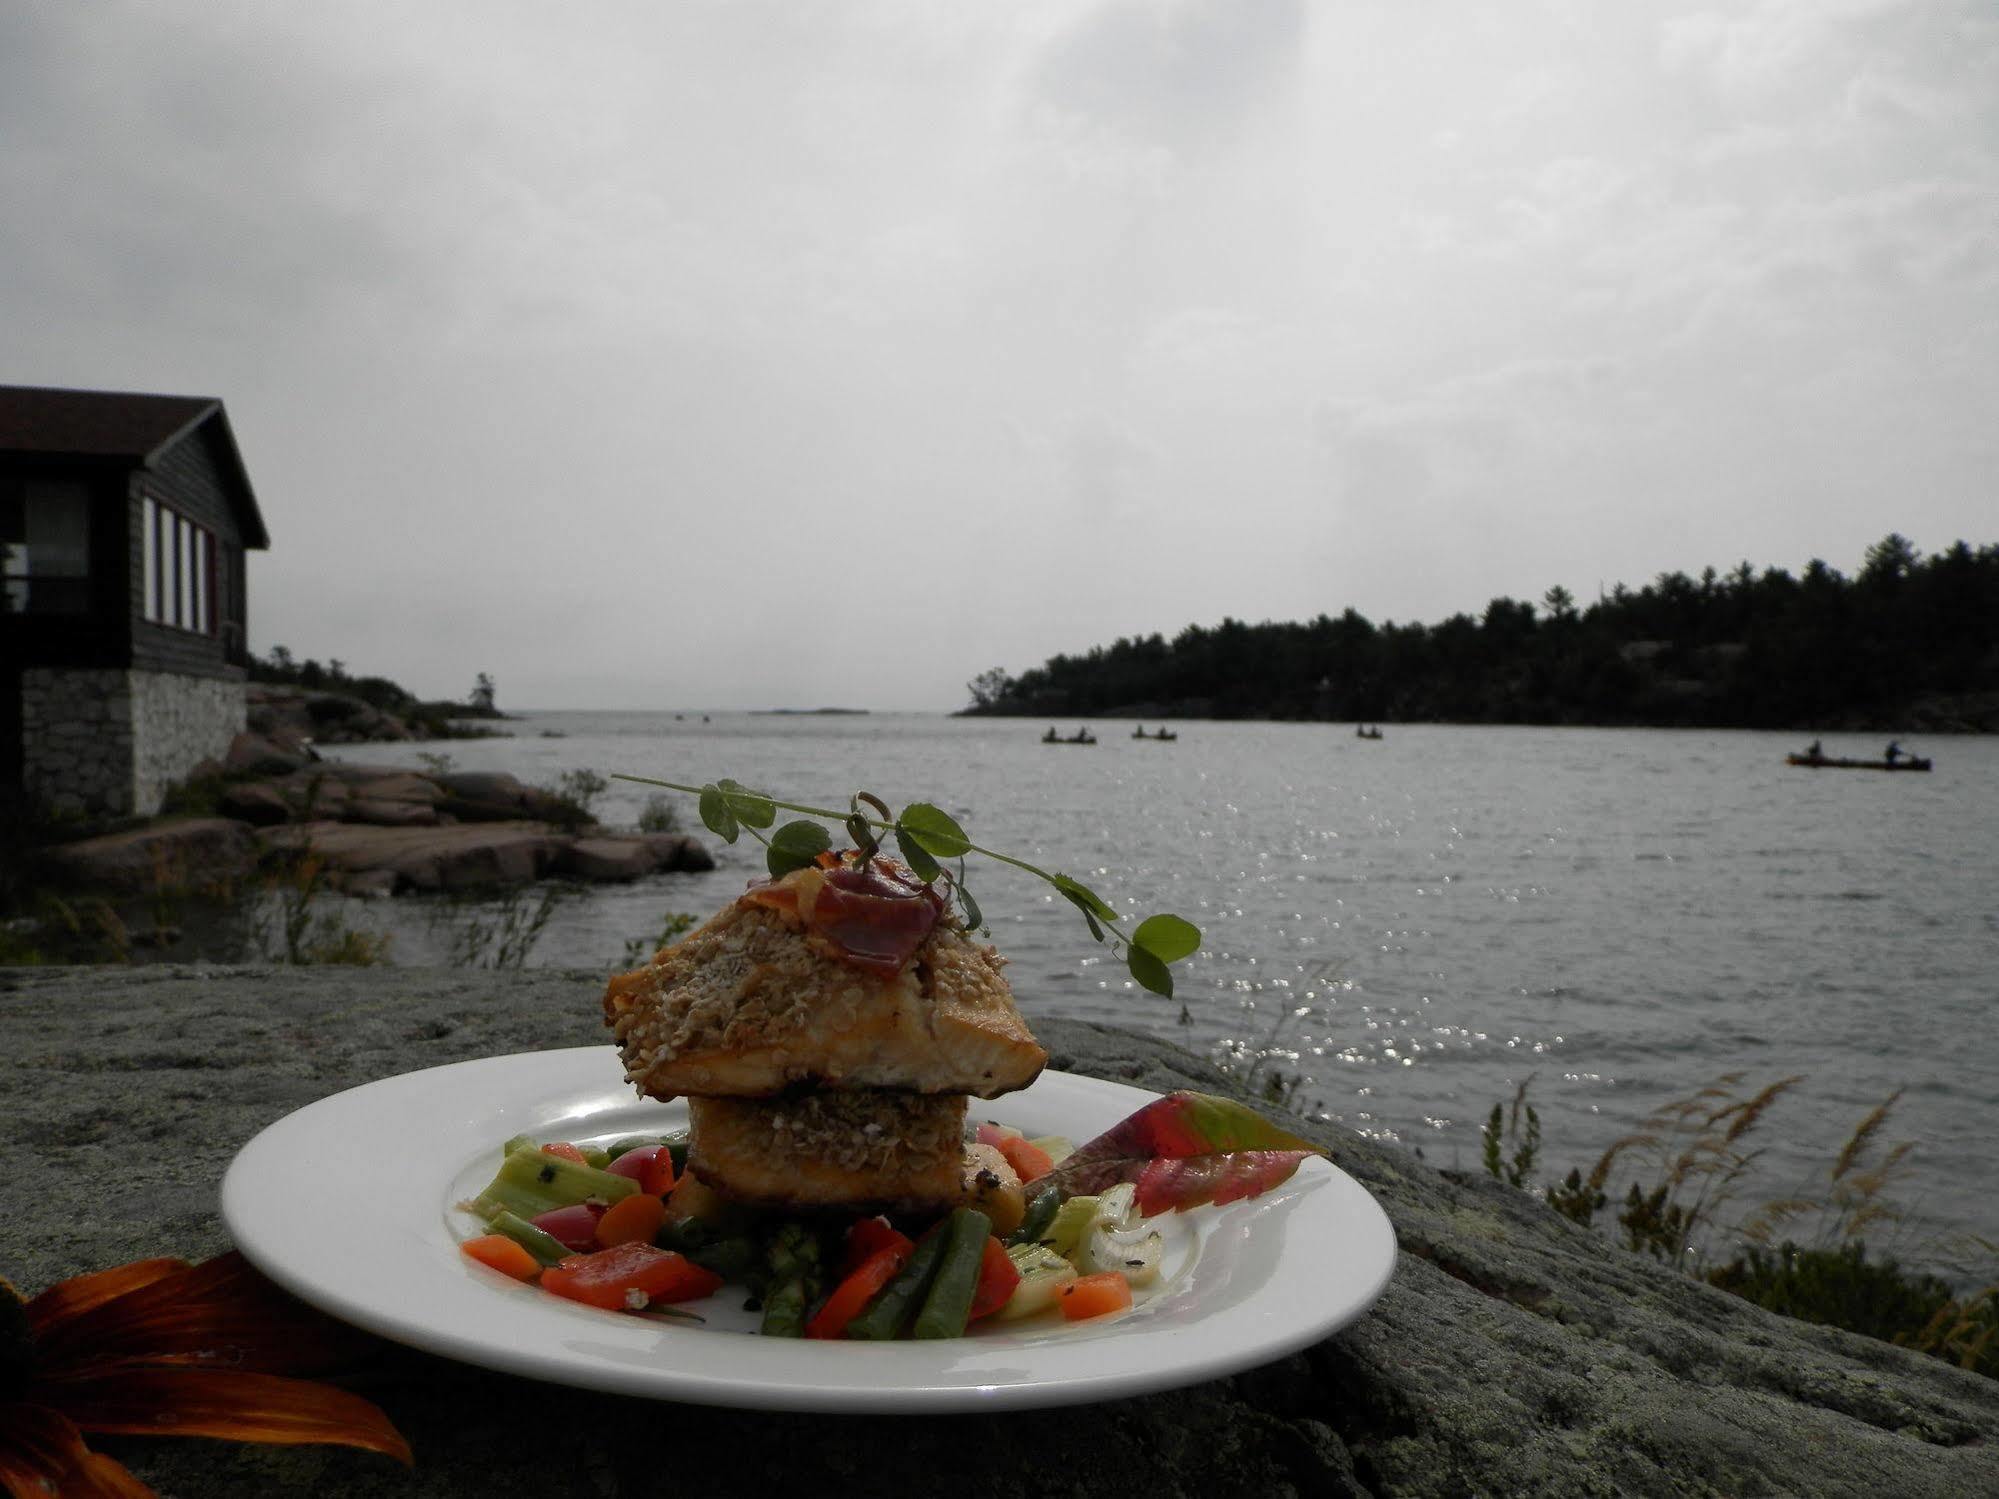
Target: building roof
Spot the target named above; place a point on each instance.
(137, 428)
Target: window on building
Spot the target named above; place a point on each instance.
(44, 546)
(179, 563)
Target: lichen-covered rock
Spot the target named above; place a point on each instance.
(1513, 1353)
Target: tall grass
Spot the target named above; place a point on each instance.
(1814, 1254)
(295, 929)
(504, 935)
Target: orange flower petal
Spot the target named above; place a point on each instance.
(221, 1313)
(218, 1403)
(73, 1297)
(42, 1455)
(102, 1477)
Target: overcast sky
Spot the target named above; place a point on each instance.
(697, 354)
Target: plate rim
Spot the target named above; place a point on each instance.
(765, 1374)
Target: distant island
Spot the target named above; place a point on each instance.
(338, 707)
(807, 712)
(1910, 643)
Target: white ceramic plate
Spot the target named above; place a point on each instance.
(350, 1203)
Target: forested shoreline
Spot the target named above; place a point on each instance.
(1910, 642)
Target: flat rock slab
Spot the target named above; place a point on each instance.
(180, 853)
(1514, 1353)
(480, 855)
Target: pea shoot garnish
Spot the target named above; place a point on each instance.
(926, 836)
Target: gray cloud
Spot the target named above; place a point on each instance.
(600, 349)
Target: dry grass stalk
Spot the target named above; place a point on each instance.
(1749, 1113)
(1863, 1133)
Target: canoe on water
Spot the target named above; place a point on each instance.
(1827, 762)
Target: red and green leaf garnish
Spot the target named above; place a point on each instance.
(1184, 1150)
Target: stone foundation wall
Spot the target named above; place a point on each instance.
(114, 741)
(76, 739)
(177, 722)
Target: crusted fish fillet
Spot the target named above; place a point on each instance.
(747, 1007)
(846, 1148)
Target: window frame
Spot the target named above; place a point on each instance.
(51, 593)
(178, 556)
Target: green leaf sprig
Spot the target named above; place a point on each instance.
(925, 836)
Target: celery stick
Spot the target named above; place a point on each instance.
(529, 1182)
(1072, 1220)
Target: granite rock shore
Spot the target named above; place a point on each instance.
(1513, 1353)
(376, 830)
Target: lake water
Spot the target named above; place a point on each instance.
(1410, 929)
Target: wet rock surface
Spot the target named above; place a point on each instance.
(1513, 1353)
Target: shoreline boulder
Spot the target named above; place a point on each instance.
(375, 859)
(173, 854)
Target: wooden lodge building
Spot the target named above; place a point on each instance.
(124, 520)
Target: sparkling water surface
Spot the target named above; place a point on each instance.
(1407, 930)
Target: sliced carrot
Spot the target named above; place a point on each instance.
(1029, 1161)
(1094, 1296)
(498, 1252)
(631, 1220)
(563, 1150)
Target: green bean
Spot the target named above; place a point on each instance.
(1041, 1211)
(792, 1251)
(891, 1311)
(731, 1256)
(544, 1246)
(784, 1308)
(948, 1303)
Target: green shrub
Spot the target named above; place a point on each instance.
(1520, 1129)
(569, 802)
(1836, 1287)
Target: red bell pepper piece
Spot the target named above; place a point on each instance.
(867, 1237)
(651, 1166)
(575, 1225)
(997, 1279)
(629, 1278)
(851, 1297)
